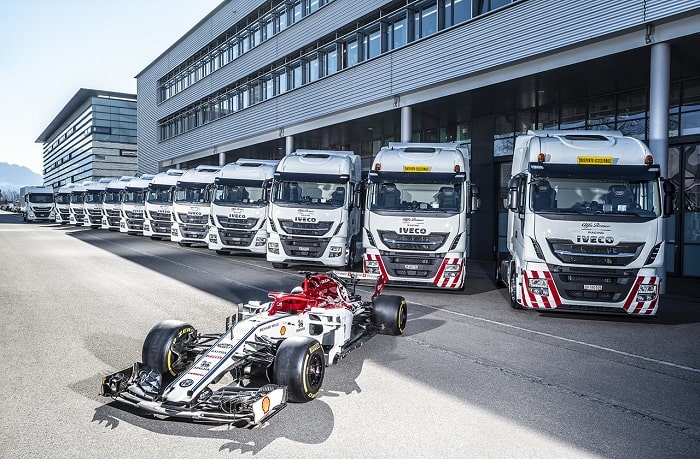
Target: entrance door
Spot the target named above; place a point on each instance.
(683, 228)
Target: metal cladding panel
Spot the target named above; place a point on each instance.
(520, 32)
(658, 9)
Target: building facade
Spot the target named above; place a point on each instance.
(259, 79)
(92, 137)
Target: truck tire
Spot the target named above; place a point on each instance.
(352, 250)
(166, 347)
(390, 314)
(279, 265)
(185, 244)
(300, 365)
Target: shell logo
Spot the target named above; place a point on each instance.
(283, 330)
(266, 404)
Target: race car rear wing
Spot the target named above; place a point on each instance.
(353, 278)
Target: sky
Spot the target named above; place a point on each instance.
(50, 49)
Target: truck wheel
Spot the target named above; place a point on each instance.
(166, 348)
(512, 290)
(300, 365)
(390, 314)
(279, 265)
(351, 255)
(156, 238)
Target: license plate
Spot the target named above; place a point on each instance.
(593, 288)
(412, 267)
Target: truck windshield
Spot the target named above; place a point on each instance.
(134, 197)
(159, 195)
(77, 198)
(111, 197)
(416, 197)
(588, 197)
(36, 198)
(239, 194)
(192, 195)
(63, 198)
(93, 197)
(311, 194)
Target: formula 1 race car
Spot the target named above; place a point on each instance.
(269, 354)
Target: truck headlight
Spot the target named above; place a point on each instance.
(273, 247)
(646, 292)
(538, 286)
(372, 264)
(452, 268)
(260, 241)
(213, 238)
(335, 251)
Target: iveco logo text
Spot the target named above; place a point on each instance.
(413, 231)
(305, 219)
(595, 239)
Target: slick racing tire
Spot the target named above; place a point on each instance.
(300, 365)
(166, 348)
(390, 314)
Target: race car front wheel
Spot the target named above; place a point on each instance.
(167, 347)
(390, 314)
(300, 365)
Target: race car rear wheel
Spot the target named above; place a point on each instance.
(166, 348)
(300, 365)
(390, 314)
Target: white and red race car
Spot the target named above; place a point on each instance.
(270, 353)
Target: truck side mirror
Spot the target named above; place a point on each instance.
(669, 197)
(475, 201)
(513, 185)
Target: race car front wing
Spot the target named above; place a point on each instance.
(140, 386)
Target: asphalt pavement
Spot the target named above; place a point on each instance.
(471, 377)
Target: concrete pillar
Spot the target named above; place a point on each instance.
(659, 91)
(289, 144)
(406, 124)
(222, 159)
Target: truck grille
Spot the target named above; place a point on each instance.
(583, 284)
(236, 238)
(422, 242)
(418, 266)
(304, 247)
(234, 223)
(306, 229)
(194, 219)
(593, 254)
(160, 216)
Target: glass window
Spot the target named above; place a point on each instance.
(487, 5)
(312, 69)
(426, 20)
(281, 18)
(397, 33)
(330, 61)
(312, 6)
(295, 10)
(295, 77)
(601, 113)
(269, 22)
(573, 115)
(243, 43)
(280, 83)
(631, 114)
(504, 135)
(461, 11)
(351, 53)
(374, 47)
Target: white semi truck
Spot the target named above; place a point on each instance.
(36, 203)
(159, 204)
(134, 205)
(62, 203)
(585, 223)
(315, 210)
(416, 227)
(94, 196)
(191, 206)
(239, 207)
(77, 203)
(112, 203)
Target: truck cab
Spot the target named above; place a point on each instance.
(134, 205)
(77, 204)
(315, 210)
(62, 203)
(192, 205)
(94, 196)
(37, 203)
(416, 227)
(112, 203)
(159, 204)
(239, 207)
(585, 224)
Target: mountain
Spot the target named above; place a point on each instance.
(13, 177)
